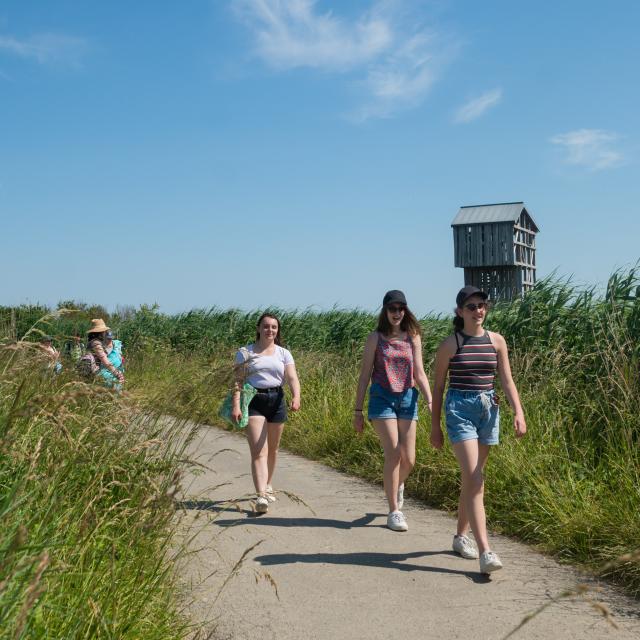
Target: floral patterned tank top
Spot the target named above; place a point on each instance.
(393, 364)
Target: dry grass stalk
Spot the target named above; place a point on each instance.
(579, 591)
(297, 499)
(34, 590)
(264, 575)
(236, 568)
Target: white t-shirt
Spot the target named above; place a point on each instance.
(265, 372)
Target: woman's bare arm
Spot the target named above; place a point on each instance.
(363, 381)
(507, 383)
(446, 351)
(419, 373)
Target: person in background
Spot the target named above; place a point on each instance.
(77, 348)
(113, 349)
(471, 357)
(392, 360)
(53, 355)
(74, 349)
(268, 367)
(96, 337)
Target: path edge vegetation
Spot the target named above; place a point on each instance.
(572, 487)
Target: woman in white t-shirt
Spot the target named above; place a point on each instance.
(267, 368)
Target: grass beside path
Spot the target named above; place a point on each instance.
(570, 486)
(86, 487)
(87, 509)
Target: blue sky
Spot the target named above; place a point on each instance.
(304, 154)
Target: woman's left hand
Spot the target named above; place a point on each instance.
(520, 426)
(295, 404)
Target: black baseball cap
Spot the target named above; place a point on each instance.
(466, 292)
(394, 296)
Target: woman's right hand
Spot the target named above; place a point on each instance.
(358, 422)
(437, 437)
(236, 414)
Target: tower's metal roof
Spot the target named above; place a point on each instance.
(488, 213)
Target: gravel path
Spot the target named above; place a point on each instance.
(340, 573)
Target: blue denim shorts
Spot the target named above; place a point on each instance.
(472, 415)
(385, 404)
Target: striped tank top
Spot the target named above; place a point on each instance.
(474, 366)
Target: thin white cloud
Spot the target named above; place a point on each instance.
(290, 33)
(402, 79)
(393, 60)
(477, 107)
(46, 48)
(590, 148)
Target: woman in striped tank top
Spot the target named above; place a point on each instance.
(472, 356)
(392, 360)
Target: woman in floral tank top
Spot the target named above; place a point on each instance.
(392, 360)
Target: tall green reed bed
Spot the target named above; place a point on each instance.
(87, 484)
(572, 485)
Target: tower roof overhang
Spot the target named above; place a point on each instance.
(490, 213)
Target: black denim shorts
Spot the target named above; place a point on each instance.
(270, 404)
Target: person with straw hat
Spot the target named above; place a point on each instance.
(95, 339)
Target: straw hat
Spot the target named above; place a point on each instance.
(97, 326)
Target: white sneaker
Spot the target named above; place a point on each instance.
(269, 494)
(262, 504)
(396, 521)
(401, 496)
(489, 562)
(464, 547)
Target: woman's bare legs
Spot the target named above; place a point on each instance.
(274, 433)
(398, 439)
(258, 445)
(472, 458)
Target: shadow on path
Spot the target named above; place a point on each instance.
(264, 520)
(371, 559)
(212, 505)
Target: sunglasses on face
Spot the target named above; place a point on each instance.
(472, 306)
(395, 308)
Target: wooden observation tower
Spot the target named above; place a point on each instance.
(496, 246)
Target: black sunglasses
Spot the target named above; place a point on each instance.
(472, 307)
(394, 308)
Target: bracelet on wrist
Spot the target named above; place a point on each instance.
(357, 410)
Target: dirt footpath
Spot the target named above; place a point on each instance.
(333, 570)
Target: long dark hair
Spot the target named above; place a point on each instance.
(409, 323)
(266, 314)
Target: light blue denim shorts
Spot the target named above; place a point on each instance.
(472, 415)
(385, 404)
